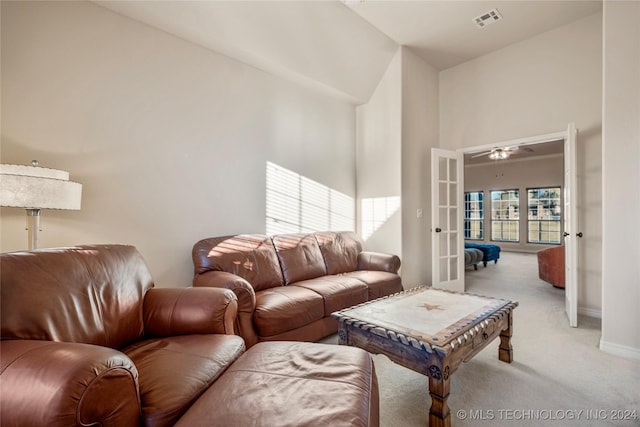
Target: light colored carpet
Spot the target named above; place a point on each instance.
(559, 377)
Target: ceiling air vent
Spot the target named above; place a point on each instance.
(487, 18)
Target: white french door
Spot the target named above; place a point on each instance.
(447, 192)
(571, 233)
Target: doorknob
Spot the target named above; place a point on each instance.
(565, 234)
(438, 229)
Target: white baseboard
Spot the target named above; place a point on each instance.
(590, 312)
(620, 350)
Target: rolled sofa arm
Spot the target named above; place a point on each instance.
(378, 261)
(187, 311)
(47, 383)
(246, 300)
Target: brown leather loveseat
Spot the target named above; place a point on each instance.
(87, 340)
(289, 284)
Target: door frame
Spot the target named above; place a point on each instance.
(531, 140)
(571, 286)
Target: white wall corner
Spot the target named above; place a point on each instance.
(620, 350)
(590, 312)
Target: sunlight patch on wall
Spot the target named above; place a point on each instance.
(375, 212)
(296, 204)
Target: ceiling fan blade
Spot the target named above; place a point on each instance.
(515, 148)
(508, 151)
(520, 150)
(480, 154)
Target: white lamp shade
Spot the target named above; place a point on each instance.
(34, 187)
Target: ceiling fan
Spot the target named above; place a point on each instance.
(502, 153)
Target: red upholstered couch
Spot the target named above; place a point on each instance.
(88, 340)
(288, 285)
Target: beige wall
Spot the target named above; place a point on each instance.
(378, 154)
(511, 174)
(169, 140)
(396, 129)
(537, 87)
(621, 184)
(419, 135)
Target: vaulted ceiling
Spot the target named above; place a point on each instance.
(344, 48)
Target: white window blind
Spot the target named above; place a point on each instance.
(298, 204)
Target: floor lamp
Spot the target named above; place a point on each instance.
(34, 188)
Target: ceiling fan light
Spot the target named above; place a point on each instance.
(499, 154)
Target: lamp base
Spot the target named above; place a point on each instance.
(33, 225)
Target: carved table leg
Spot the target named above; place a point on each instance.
(505, 351)
(439, 387)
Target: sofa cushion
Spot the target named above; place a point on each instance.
(250, 256)
(292, 384)
(379, 283)
(285, 308)
(338, 291)
(173, 372)
(86, 294)
(300, 257)
(340, 250)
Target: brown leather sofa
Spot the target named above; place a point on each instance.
(289, 284)
(87, 340)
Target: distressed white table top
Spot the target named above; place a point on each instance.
(431, 314)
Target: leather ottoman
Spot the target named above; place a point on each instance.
(291, 384)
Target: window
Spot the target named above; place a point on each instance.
(544, 215)
(505, 215)
(474, 215)
(298, 204)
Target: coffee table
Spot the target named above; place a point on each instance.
(430, 331)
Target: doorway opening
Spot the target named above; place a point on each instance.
(520, 196)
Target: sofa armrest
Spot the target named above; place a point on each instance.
(378, 261)
(62, 384)
(246, 300)
(187, 311)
